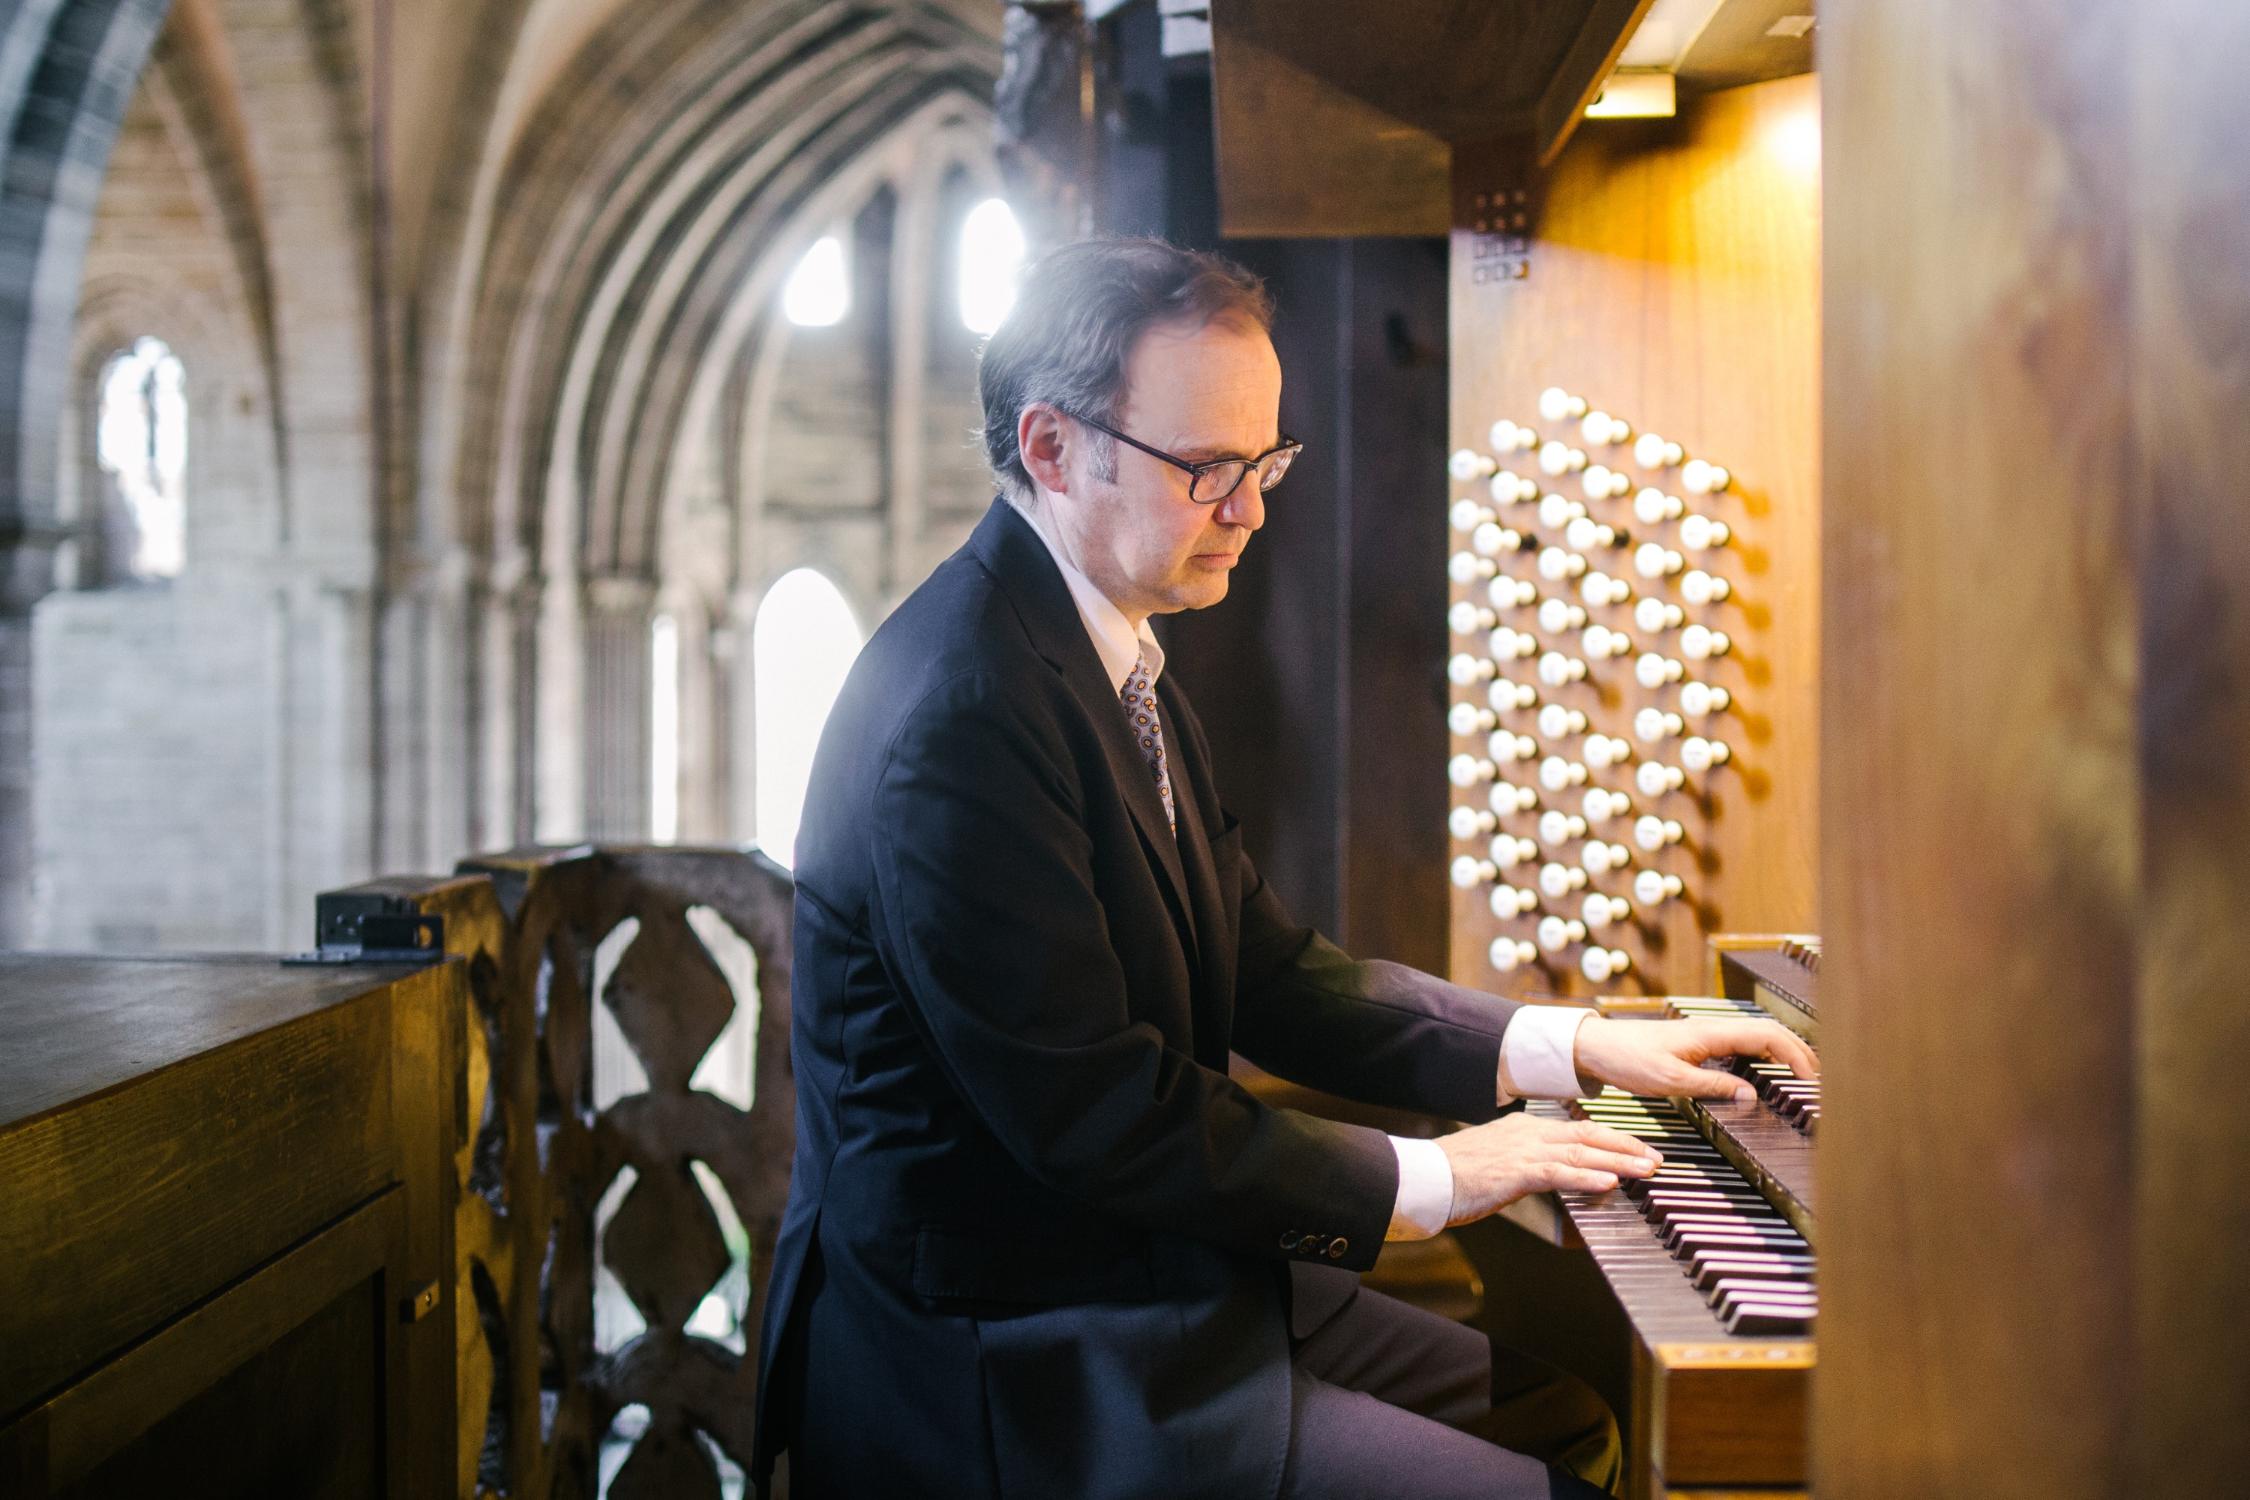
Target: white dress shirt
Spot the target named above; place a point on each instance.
(1536, 1051)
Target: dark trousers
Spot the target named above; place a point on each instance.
(1393, 1403)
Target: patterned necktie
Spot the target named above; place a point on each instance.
(1139, 697)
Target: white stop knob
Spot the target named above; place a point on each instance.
(1653, 724)
(1700, 642)
(1653, 560)
(1470, 822)
(1699, 587)
(1470, 872)
(1601, 482)
(1555, 564)
(1511, 953)
(1599, 964)
(1556, 934)
(1655, 778)
(1603, 805)
(1467, 464)
(1466, 670)
(1555, 669)
(1559, 615)
(1600, 910)
(1598, 858)
(1601, 427)
(1651, 506)
(1509, 797)
(1655, 614)
(1557, 774)
(1465, 771)
(1652, 452)
(1558, 723)
(1585, 534)
(1510, 593)
(1506, 745)
(1467, 718)
(1600, 589)
(1512, 489)
(1558, 511)
(1701, 532)
(1501, 435)
(1700, 698)
(1467, 515)
(1511, 644)
(1699, 754)
(1490, 540)
(1468, 619)
(1505, 695)
(1467, 567)
(1559, 827)
(1654, 670)
(1653, 833)
(1510, 901)
(1554, 458)
(1604, 751)
(1700, 478)
(1555, 404)
(1508, 851)
(1651, 889)
(1601, 641)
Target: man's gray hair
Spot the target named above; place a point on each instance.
(1077, 315)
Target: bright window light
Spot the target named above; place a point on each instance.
(803, 643)
(664, 730)
(141, 438)
(820, 289)
(991, 257)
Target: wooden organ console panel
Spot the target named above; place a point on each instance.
(1633, 559)
(1712, 1261)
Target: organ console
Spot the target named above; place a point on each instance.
(1712, 1262)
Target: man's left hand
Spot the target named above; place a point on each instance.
(1665, 1057)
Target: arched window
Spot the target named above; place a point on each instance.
(141, 441)
(991, 258)
(819, 291)
(802, 644)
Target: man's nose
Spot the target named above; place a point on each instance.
(1246, 507)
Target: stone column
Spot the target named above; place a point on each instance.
(616, 723)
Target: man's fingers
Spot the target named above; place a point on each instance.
(1578, 1179)
(1770, 1039)
(1609, 1138)
(1617, 1163)
(1710, 1083)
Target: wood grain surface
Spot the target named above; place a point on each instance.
(1674, 282)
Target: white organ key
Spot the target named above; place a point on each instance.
(1470, 822)
(1557, 774)
(1466, 771)
(1651, 888)
(1467, 464)
(1699, 754)
(1467, 567)
(1511, 953)
(1652, 506)
(1655, 615)
(1465, 670)
(1654, 669)
(1467, 718)
(1655, 778)
(1600, 964)
(1653, 833)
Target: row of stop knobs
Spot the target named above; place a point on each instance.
(1489, 539)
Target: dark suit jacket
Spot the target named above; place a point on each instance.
(1037, 1241)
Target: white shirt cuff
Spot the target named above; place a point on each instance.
(1425, 1189)
(1538, 1053)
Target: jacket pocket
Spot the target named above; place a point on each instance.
(1036, 1272)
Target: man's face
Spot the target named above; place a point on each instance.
(1196, 393)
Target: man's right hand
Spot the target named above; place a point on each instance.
(1496, 1163)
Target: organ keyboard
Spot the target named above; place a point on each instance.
(1712, 1259)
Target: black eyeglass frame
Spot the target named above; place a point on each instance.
(1195, 471)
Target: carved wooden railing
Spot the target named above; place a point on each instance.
(537, 1398)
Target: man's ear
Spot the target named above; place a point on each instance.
(1043, 437)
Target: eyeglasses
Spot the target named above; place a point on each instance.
(1215, 479)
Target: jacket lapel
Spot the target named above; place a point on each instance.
(1016, 557)
(1198, 803)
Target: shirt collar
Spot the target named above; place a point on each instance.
(1115, 639)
